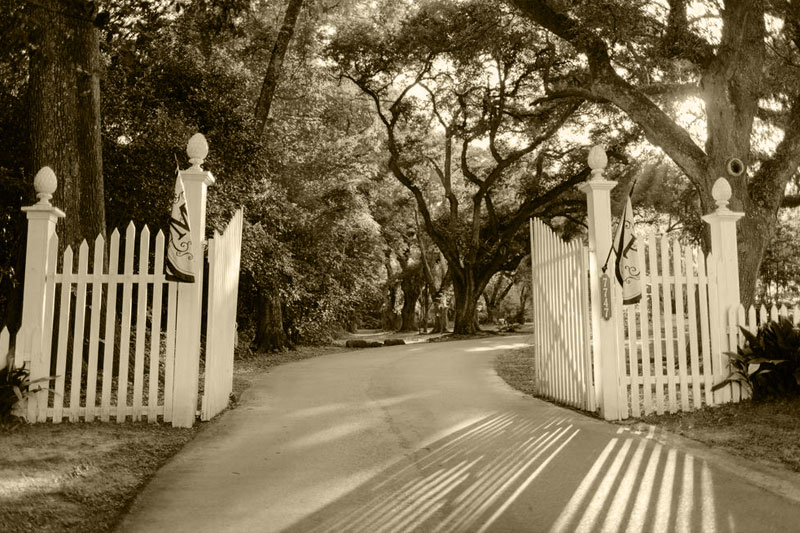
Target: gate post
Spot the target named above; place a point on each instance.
(604, 332)
(190, 295)
(725, 258)
(42, 219)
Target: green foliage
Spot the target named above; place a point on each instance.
(779, 275)
(768, 365)
(15, 385)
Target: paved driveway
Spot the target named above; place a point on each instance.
(426, 437)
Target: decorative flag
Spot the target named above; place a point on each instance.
(627, 265)
(180, 260)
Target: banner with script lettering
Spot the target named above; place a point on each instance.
(627, 268)
(180, 260)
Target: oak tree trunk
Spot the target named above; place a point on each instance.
(270, 333)
(64, 104)
(412, 287)
(466, 291)
(275, 66)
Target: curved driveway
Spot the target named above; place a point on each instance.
(426, 437)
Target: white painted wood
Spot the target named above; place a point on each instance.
(169, 356)
(658, 337)
(94, 328)
(548, 341)
(63, 336)
(644, 325)
(773, 313)
(42, 218)
(190, 299)
(597, 191)
(47, 335)
(125, 331)
(719, 326)
(155, 332)
(692, 291)
(680, 282)
(668, 331)
(78, 334)
(583, 274)
(722, 226)
(633, 361)
(561, 362)
(109, 336)
(141, 323)
(559, 278)
(705, 334)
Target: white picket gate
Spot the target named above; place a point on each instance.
(665, 353)
(109, 332)
(224, 257)
(563, 368)
(669, 360)
(118, 340)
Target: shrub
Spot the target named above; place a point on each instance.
(13, 387)
(768, 364)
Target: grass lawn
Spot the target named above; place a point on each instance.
(765, 433)
(82, 477)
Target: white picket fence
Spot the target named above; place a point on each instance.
(223, 285)
(563, 369)
(669, 360)
(112, 330)
(107, 332)
(665, 353)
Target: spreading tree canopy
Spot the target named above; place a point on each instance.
(739, 64)
(451, 85)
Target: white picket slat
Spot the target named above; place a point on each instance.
(658, 336)
(78, 332)
(141, 323)
(633, 361)
(125, 331)
(680, 281)
(668, 332)
(63, 336)
(694, 356)
(589, 383)
(155, 331)
(705, 334)
(47, 332)
(94, 329)
(169, 357)
(109, 337)
(644, 326)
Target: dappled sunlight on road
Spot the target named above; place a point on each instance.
(499, 347)
(636, 485)
(328, 409)
(463, 482)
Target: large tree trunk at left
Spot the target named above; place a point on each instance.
(64, 102)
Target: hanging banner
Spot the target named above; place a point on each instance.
(179, 265)
(627, 268)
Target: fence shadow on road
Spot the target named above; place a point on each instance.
(467, 481)
(463, 482)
